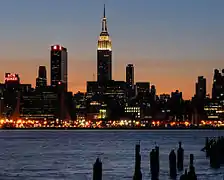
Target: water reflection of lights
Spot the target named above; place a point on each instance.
(28, 123)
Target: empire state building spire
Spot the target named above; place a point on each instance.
(104, 12)
(104, 53)
(104, 42)
(104, 21)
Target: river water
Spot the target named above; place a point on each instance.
(69, 155)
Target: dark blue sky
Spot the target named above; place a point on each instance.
(155, 35)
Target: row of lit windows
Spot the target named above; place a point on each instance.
(210, 109)
(165, 110)
(132, 111)
(132, 108)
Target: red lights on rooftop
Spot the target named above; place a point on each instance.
(56, 47)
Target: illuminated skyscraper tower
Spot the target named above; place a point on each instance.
(59, 67)
(104, 54)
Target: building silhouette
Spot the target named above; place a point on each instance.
(130, 81)
(11, 92)
(130, 75)
(40, 104)
(104, 54)
(218, 85)
(41, 80)
(59, 69)
(153, 92)
(142, 87)
(201, 88)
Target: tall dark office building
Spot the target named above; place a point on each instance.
(201, 88)
(130, 75)
(59, 67)
(218, 85)
(104, 54)
(41, 80)
(153, 91)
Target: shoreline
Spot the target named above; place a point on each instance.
(111, 129)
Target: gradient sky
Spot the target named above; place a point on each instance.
(170, 42)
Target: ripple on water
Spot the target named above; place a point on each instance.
(59, 155)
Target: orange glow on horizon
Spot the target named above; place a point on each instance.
(167, 77)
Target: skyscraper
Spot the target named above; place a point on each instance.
(218, 86)
(153, 92)
(104, 54)
(41, 80)
(201, 88)
(130, 75)
(59, 69)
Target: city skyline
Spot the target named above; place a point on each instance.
(168, 66)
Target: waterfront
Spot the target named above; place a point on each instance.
(48, 155)
(116, 124)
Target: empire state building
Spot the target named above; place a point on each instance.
(104, 54)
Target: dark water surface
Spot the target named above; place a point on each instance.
(69, 155)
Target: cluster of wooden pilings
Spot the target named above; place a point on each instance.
(214, 148)
(176, 163)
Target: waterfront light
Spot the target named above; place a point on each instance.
(20, 123)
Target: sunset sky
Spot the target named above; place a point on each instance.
(170, 42)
